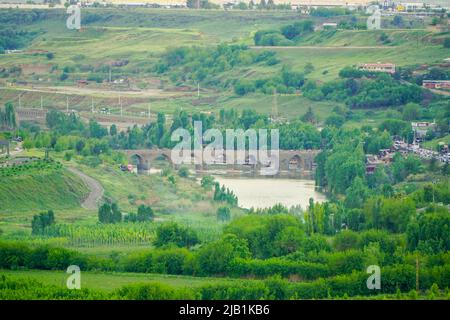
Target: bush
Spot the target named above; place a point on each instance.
(243, 87)
(154, 291)
(264, 268)
(238, 291)
(217, 257)
(173, 234)
(223, 214)
(446, 43)
(346, 240)
(183, 172)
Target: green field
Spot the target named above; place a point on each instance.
(114, 280)
(433, 144)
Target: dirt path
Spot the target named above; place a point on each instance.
(104, 92)
(96, 193)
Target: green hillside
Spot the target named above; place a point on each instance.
(41, 191)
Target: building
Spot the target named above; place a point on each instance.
(372, 162)
(421, 128)
(411, 6)
(436, 84)
(377, 67)
(329, 25)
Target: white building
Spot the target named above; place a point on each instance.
(421, 128)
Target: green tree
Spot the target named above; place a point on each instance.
(116, 215)
(144, 213)
(429, 232)
(42, 221)
(223, 214)
(173, 234)
(411, 111)
(446, 43)
(113, 130)
(396, 214)
(309, 116)
(9, 116)
(96, 130)
(356, 194)
(109, 213)
(217, 257)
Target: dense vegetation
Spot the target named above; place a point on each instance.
(199, 64)
(286, 36)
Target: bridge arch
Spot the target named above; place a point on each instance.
(162, 156)
(140, 162)
(145, 159)
(295, 163)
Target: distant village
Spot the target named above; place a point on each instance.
(387, 6)
(420, 129)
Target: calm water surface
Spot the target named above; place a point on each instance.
(266, 192)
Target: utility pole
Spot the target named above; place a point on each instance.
(417, 273)
(67, 105)
(42, 104)
(274, 105)
(20, 104)
(120, 103)
(198, 89)
(110, 74)
(148, 111)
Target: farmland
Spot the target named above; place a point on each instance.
(159, 230)
(149, 33)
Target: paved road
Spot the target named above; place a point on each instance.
(96, 193)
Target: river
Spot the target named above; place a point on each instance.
(266, 192)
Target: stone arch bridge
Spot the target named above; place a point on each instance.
(295, 163)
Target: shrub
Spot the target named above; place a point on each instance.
(173, 234)
(154, 291)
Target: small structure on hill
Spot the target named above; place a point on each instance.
(421, 128)
(377, 67)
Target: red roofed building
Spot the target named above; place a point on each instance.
(436, 84)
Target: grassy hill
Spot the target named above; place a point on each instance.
(40, 191)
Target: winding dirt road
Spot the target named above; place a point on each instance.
(96, 193)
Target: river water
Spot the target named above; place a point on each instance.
(266, 192)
